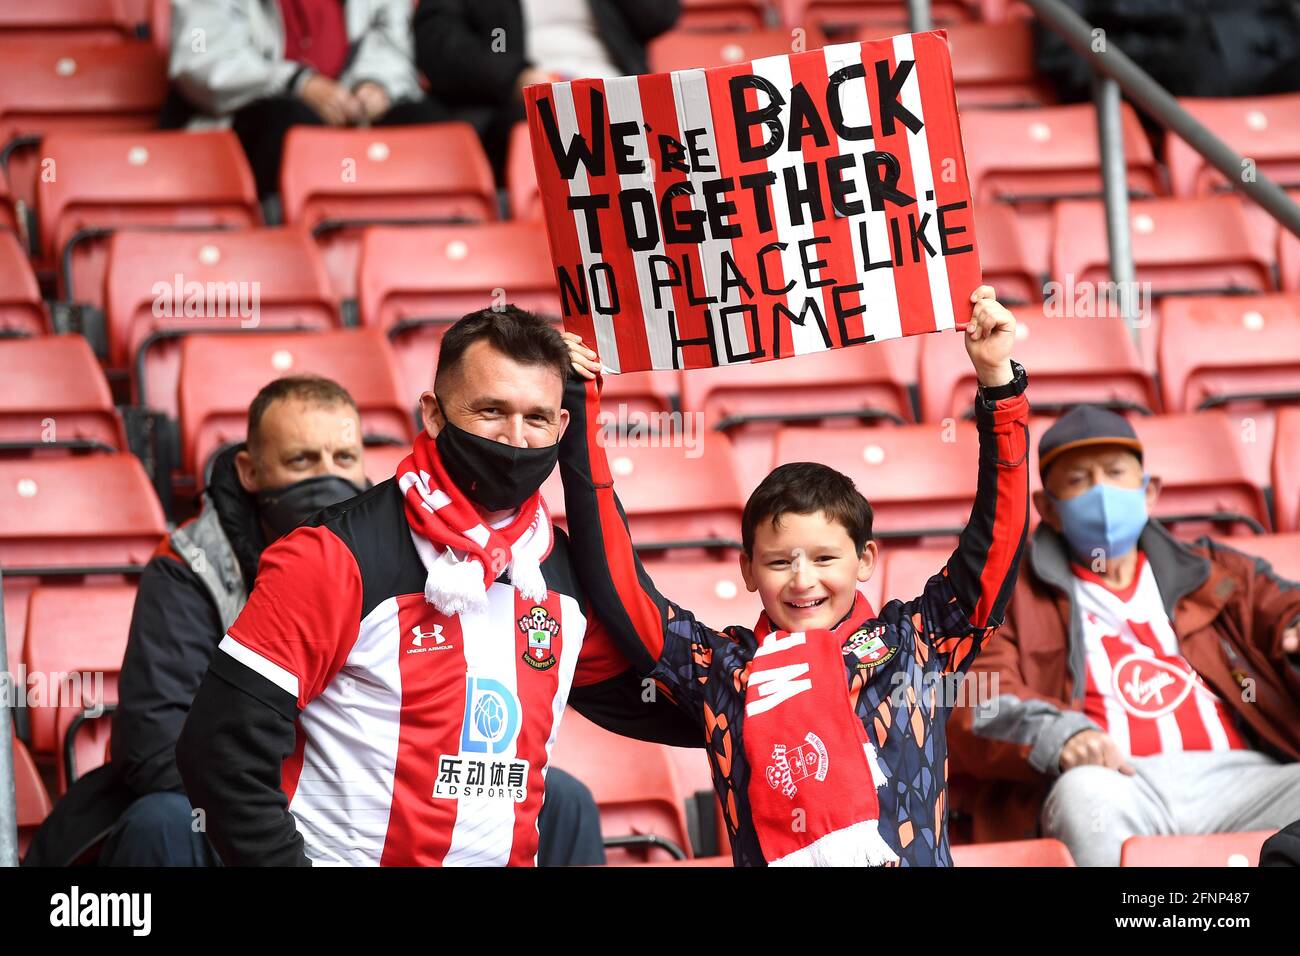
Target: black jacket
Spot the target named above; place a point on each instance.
(458, 43)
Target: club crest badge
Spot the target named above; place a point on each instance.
(790, 765)
(869, 647)
(539, 627)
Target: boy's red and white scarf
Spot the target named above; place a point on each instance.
(813, 780)
(443, 522)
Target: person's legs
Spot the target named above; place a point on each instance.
(1235, 792)
(1093, 810)
(157, 830)
(569, 824)
(261, 127)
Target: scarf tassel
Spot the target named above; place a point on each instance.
(858, 845)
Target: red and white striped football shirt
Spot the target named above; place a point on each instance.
(1140, 689)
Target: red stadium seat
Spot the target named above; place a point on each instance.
(751, 402)
(1204, 473)
(1215, 350)
(642, 400)
(336, 181)
(682, 50)
(906, 570)
(75, 648)
(220, 375)
(416, 281)
(1288, 252)
(8, 214)
(87, 21)
(920, 479)
(1031, 158)
(837, 16)
(634, 784)
(59, 85)
(713, 591)
(1264, 128)
(75, 512)
(17, 591)
(115, 181)
(1282, 551)
(21, 311)
(1202, 849)
(1074, 360)
(33, 802)
(1179, 246)
(53, 395)
(162, 286)
(521, 177)
(993, 65)
(1013, 853)
(723, 15)
(1286, 469)
(1004, 262)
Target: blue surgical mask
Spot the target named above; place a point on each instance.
(1104, 521)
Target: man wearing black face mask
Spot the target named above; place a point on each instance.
(407, 655)
(302, 454)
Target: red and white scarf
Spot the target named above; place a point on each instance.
(443, 522)
(813, 780)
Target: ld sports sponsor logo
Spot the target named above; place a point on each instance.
(481, 769)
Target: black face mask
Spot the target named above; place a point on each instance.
(285, 508)
(492, 474)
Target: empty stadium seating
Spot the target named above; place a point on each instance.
(415, 281)
(112, 181)
(77, 512)
(1264, 128)
(1282, 551)
(1179, 246)
(1004, 262)
(1286, 469)
(1202, 849)
(1074, 359)
(993, 65)
(706, 15)
(680, 50)
(107, 22)
(74, 649)
(634, 784)
(920, 479)
(906, 570)
(1014, 853)
(750, 402)
(1031, 158)
(713, 591)
(1203, 473)
(335, 181)
(221, 373)
(21, 311)
(844, 16)
(33, 802)
(525, 200)
(162, 286)
(1214, 350)
(53, 395)
(58, 83)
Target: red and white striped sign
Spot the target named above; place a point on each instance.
(759, 210)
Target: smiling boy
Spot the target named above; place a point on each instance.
(826, 747)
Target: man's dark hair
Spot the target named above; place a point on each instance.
(805, 488)
(527, 338)
(311, 389)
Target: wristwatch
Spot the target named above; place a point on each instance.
(1011, 389)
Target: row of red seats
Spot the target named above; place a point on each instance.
(54, 397)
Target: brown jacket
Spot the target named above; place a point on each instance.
(1228, 610)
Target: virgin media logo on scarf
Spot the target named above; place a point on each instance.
(792, 764)
(1150, 688)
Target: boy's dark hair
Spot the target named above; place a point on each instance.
(804, 488)
(311, 389)
(527, 338)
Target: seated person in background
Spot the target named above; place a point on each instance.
(825, 723)
(478, 55)
(303, 454)
(1144, 685)
(264, 66)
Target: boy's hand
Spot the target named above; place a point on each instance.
(585, 362)
(989, 336)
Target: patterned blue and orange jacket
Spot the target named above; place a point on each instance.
(903, 697)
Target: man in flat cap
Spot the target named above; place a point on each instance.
(1141, 685)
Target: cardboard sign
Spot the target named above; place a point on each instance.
(758, 210)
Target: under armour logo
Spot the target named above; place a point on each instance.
(419, 636)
